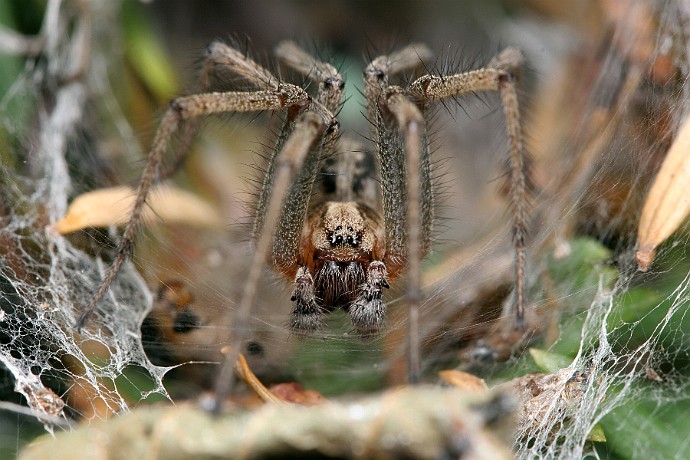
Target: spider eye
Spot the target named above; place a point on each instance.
(336, 239)
(352, 241)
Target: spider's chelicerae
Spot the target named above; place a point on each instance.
(321, 220)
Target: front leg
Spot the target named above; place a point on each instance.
(307, 315)
(368, 309)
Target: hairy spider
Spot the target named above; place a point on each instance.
(320, 219)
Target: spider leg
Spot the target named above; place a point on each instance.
(331, 83)
(286, 243)
(218, 56)
(274, 96)
(228, 58)
(287, 250)
(419, 211)
(392, 157)
(499, 75)
(304, 142)
(407, 195)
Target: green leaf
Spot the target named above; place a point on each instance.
(586, 254)
(648, 429)
(135, 381)
(577, 278)
(549, 362)
(597, 434)
(147, 55)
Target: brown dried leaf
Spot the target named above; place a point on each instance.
(282, 393)
(668, 202)
(463, 380)
(112, 206)
(294, 392)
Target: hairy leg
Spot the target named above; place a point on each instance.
(271, 96)
(287, 250)
(499, 75)
(306, 138)
(386, 134)
(407, 193)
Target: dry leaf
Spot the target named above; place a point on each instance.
(112, 206)
(294, 392)
(281, 393)
(463, 380)
(668, 202)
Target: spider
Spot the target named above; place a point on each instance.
(320, 220)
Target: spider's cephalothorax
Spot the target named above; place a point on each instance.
(343, 245)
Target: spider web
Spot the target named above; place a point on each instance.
(45, 279)
(632, 326)
(631, 330)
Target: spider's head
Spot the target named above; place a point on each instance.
(343, 233)
(343, 225)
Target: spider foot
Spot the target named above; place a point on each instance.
(368, 310)
(306, 315)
